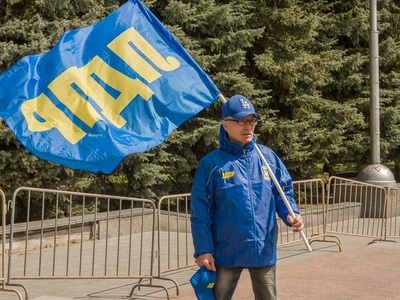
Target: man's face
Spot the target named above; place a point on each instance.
(237, 133)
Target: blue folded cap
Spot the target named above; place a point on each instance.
(203, 282)
(238, 107)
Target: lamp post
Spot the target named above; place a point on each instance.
(374, 84)
(375, 173)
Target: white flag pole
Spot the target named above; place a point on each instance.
(272, 175)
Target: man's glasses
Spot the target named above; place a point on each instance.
(244, 122)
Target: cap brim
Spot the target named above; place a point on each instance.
(244, 114)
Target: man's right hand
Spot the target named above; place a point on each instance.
(206, 260)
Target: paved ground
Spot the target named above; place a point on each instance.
(360, 271)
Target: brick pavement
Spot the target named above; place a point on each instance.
(361, 271)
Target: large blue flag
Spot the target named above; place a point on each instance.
(118, 87)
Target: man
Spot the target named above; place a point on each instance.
(234, 204)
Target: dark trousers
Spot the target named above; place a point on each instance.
(263, 280)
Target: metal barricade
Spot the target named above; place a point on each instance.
(175, 245)
(356, 208)
(71, 235)
(4, 287)
(310, 198)
(393, 214)
(81, 236)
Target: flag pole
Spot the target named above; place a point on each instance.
(272, 175)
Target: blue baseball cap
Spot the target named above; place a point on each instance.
(203, 282)
(238, 107)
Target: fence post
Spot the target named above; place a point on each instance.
(3, 253)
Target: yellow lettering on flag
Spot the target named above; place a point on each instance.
(129, 88)
(75, 86)
(111, 108)
(120, 46)
(62, 87)
(52, 117)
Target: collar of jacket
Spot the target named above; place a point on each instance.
(234, 148)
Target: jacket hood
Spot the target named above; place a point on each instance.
(233, 148)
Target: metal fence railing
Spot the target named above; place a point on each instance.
(5, 287)
(175, 245)
(356, 208)
(310, 198)
(70, 235)
(81, 236)
(392, 222)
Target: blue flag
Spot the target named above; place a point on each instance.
(118, 87)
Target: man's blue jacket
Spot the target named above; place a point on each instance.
(234, 204)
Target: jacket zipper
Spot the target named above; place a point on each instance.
(252, 204)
